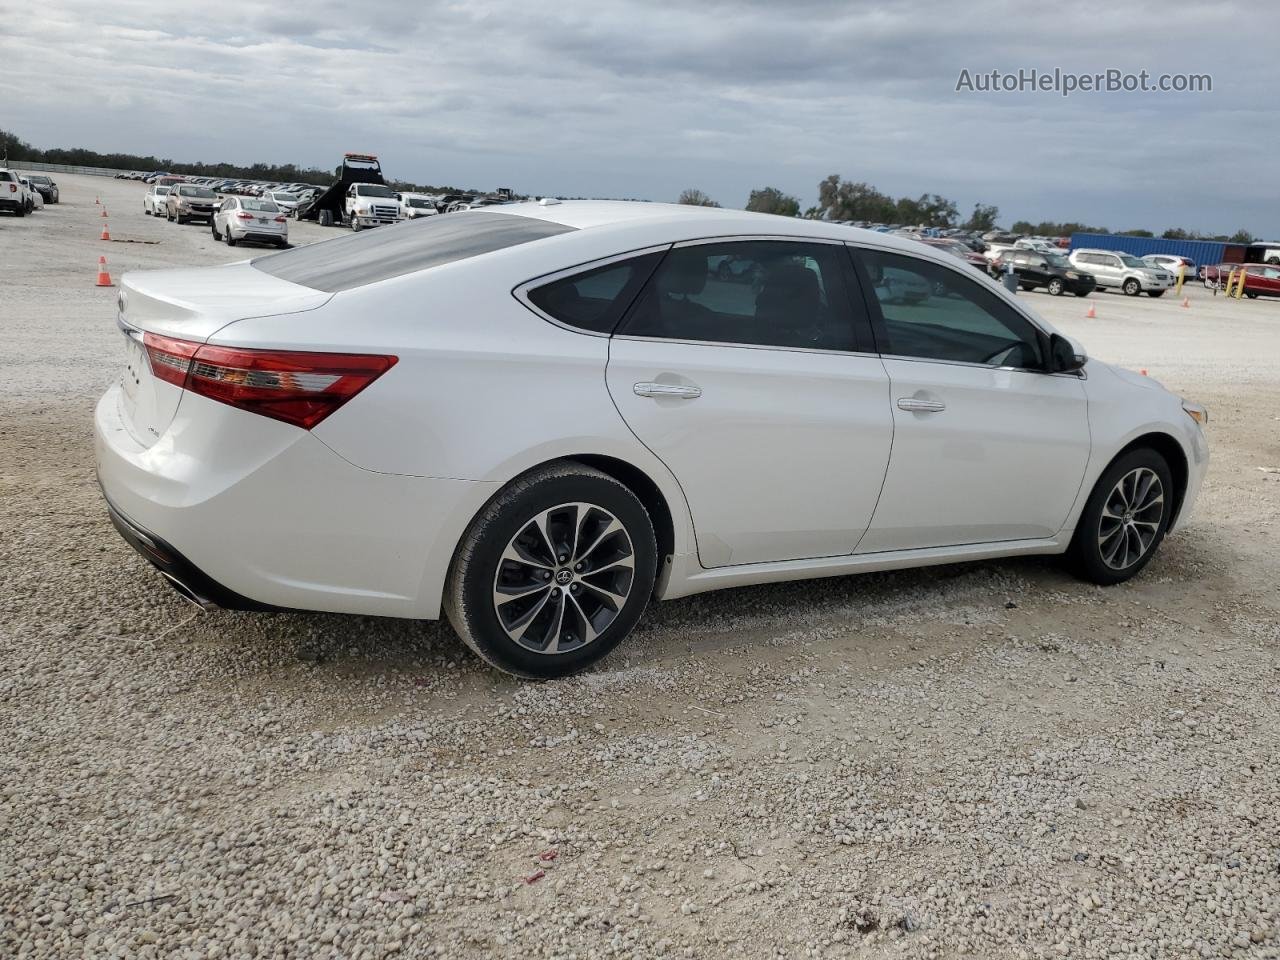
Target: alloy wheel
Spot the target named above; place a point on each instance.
(564, 578)
(1130, 518)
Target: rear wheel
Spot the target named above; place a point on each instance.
(1155, 293)
(213, 225)
(326, 218)
(554, 573)
(1124, 519)
(1027, 286)
(1082, 293)
(1132, 287)
(1056, 286)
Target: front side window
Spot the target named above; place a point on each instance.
(934, 313)
(771, 293)
(595, 300)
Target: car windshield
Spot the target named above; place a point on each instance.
(1132, 261)
(263, 206)
(286, 197)
(161, 191)
(421, 204)
(200, 193)
(41, 180)
(1057, 260)
(374, 190)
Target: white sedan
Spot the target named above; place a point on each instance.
(247, 218)
(534, 418)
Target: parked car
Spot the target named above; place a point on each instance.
(417, 205)
(13, 195)
(616, 442)
(1171, 263)
(1261, 279)
(35, 196)
(44, 186)
(1112, 269)
(154, 200)
(287, 202)
(250, 218)
(186, 201)
(959, 249)
(1040, 246)
(1052, 271)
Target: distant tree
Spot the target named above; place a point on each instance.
(1022, 226)
(1176, 233)
(696, 198)
(773, 200)
(1136, 233)
(983, 217)
(1241, 236)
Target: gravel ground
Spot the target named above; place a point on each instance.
(991, 760)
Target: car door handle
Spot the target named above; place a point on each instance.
(916, 405)
(668, 391)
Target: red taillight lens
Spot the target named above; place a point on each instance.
(280, 220)
(293, 386)
(244, 216)
(13, 188)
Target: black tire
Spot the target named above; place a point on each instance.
(1026, 286)
(1274, 261)
(326, 218)
(21, 211)
(1082, 293)
(1155, 293)
(1131, 287)
(282, 244)
(1085, 555)
(355, 224)
(231, 241)
(469, 590)
(1056, 287)
(1251, 295)
(213, 225)
(179, 218)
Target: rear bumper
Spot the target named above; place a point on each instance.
(247, 512)
(185, 577)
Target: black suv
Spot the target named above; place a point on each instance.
(1052, 271)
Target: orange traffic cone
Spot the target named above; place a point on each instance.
(1186, 301)
(106, 234)
(104, 278)
(97, 201)
(1143, 371)
(1092, 314)
(104, 213)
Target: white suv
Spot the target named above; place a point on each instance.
(1113, 269)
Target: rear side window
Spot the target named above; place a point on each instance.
(770, 293)
(393, 251)
(595, 300)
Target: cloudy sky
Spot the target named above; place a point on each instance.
(641, 99)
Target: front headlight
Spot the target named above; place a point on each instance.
(1196, 412)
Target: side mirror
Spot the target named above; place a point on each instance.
(1063, 357)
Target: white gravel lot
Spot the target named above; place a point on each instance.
(991, 760)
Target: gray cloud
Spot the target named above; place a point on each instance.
(622, 98)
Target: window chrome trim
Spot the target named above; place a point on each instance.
(521, 290)
(747, 346)
(756, 237)
(1074, 375)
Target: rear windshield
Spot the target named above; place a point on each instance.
(200, 193)
(393, 251)
(264, 206)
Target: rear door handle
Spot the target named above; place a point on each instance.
(916, 405)
(668, 391)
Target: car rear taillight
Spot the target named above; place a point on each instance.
(244, 216)
(13, 188)
(293, 386)
(280, 220)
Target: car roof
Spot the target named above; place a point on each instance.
(685, 221)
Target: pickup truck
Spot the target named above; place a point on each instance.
(13, 195)
(371, 205)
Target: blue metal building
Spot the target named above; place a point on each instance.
(1201, 251)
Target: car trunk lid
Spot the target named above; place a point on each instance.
(188, 305)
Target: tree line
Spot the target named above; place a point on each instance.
(840, 199)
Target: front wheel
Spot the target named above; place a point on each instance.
(1131, 287)
(214, 227)
(554, 573)
(1124, 519)
(1056, 287)
(355, 224)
